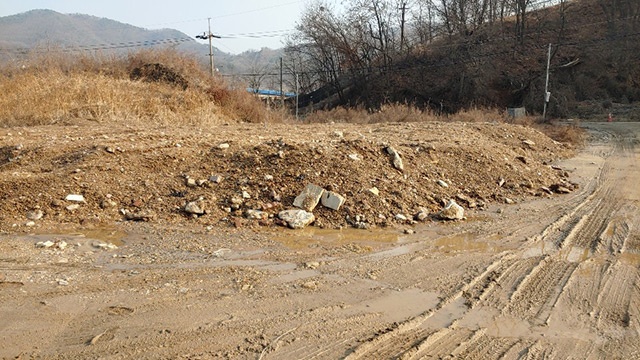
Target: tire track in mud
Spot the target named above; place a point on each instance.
(529, 286)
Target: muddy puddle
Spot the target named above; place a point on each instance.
(314, 237)
(104, 235)
(468, 242)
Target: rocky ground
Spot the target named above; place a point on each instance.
(245, 175)
(552, 276)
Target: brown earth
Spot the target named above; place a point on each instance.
(553, 276)
(146, 171)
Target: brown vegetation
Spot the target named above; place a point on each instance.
(156, 87)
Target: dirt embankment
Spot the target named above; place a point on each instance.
(151, 174)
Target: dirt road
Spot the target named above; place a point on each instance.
(551, 278)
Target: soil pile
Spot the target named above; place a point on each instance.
(162, 174)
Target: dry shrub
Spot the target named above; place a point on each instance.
(387, 113)
(571, 134)
(479, 115)
(63, 89)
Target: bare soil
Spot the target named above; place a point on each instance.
(528, 274)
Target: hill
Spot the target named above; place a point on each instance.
(22, 32)
(498, 63)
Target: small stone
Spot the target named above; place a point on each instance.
(422, 215)
(246, 195)
(374, 190)
(338, 133)
(522, 159)
(30, 224)
(73, 207)
(508, 201)
(560, 189)
(75, 198)
(215, 179)
(310, 285)
(528, 143)
(57, 203)
(354, 157)
(108, 203)
(312, 265)
(309, 197)
(137, 216)
(256, 215)
(223, 146)
(62, 245)
(501, 182)
(443, 183)
(296, 219)
(396, 160)
(452, 211)
(35, 215)
(62, 282)
(401, 217)
(202, 182)
(110, 150)
(45, 244)
(190, 182)
(409, 231)
(332, 200)
(194, 208)
(500, 211)
(546, 189)
(268, 177)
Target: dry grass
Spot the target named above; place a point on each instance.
(571, 134)
(61, 89)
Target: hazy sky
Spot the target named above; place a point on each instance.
(253, 24)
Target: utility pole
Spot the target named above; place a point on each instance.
(547, 94)
(281, 92)
(209, 35)
(297, 94)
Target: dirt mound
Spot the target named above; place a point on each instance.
(159, 73)
(151, 174)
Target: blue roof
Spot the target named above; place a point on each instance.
(270, 92)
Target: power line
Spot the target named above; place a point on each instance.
(103, 46)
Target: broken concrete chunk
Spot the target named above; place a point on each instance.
(296, 219)
(332, 200)
(396, 160)
(452, 211)
(309, 197)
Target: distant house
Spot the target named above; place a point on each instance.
(270, 95)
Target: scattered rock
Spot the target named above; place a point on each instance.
(30, 224)
(45, 244)
(108, 203)
(268, 177)
(452, 211)
(354, 157)
(529, 143)
(195, 208)
(73, 207)
(75, 198)
(246, 195)
(401, 217)
(35, 215)
(256, 215)
(296, 219)
(443, 183)
(508, 201)
(522, 159)
(546, 189)
(223, 146)
(190, 182)
(310, 285)
(501, 182)
(422, 214)
(374, 190)
(560, 189)
(309, 197)
(409, 231)
(215, 179)
(137, 216)
(396, 160)
(332, 200)
(312, 265)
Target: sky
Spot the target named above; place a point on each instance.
(244, 24)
